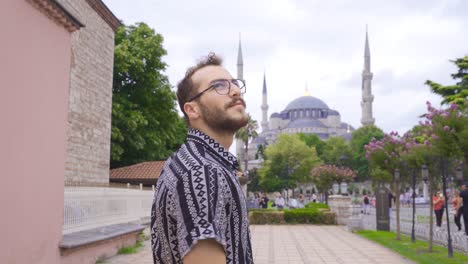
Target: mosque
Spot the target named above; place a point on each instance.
(306, 114)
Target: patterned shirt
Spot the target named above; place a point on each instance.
(198, 196)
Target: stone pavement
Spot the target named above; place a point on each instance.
(298, 244)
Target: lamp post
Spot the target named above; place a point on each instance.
(413, 235)
(425, 176)
(459, 175)
(397, 180)
(444, 186)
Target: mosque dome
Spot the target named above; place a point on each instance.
(306, 102)
(306, 122)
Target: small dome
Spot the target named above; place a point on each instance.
(305, 122)
(306, 102)
(275, 115)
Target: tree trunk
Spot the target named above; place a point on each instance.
(397, 203)
(431, 216)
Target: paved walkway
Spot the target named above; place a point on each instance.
(299, 244)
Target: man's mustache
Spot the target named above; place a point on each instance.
(235, 101)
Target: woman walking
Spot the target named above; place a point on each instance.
(438, 201)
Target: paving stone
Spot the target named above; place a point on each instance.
(299, 244)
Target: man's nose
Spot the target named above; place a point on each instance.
(235, 90)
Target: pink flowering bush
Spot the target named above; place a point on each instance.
(446, 130)
(323, 176)
(387, 152)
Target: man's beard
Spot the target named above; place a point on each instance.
(218, 119)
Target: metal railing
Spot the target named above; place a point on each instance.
(422, 218)
(91, 207)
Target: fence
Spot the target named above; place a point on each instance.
(421, 228)
(92, 207)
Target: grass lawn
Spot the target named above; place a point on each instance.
(414, 251)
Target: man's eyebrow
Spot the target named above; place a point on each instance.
(216, 80)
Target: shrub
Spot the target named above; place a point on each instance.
(303, 216)
(317, 205)
(294, 216)
(263, 217)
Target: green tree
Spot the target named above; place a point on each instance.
(337, 151)
(145, 122)
(288, 162)
(245, 134)
(312, 140)
(457, 93)
(359, 139)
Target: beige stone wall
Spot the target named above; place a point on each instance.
(90, 101)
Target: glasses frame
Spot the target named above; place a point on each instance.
(241, 88)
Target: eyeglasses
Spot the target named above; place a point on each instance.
(223, 87)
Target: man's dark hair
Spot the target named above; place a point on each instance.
(186, 89)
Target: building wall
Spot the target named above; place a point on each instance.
(90, 102)
(35, 68)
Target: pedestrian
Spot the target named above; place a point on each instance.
(366, 204)
(438, 203)
(464, 209)
(457, 204)
(264, 201)
(280, 203)
(314, 197)
(199, 213)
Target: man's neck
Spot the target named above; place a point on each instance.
(223, 137)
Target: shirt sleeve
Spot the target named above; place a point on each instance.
(201, 206)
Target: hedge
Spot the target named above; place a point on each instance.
(317, 205)
(293, 216)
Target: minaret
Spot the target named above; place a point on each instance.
(367, 97)
(264, 106)
(240, 75)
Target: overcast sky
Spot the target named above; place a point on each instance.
(320, 43)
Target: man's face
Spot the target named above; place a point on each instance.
(219, 112)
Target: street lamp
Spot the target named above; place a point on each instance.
(424, 173)
(397, 175)
(459, 175)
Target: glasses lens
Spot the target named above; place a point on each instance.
(221, 86)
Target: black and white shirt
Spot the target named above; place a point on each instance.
(198, 196)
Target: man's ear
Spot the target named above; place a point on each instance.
(192, 110)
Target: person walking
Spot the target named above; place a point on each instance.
(464, 209)
(199, 213)
(280, 203)
(438, 203)
(457, 204)
(366, 204)
(264, 201)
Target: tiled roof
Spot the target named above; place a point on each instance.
(144, 170)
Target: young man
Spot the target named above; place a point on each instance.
(199, 213)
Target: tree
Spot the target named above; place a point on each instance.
(323, 176)
(457, 93)
(245, 134)
(145, 122)
(335, 151)
(386, 154)
(312, 140)
(359, 139)
(288, 162)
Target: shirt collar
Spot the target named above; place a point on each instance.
(198, 136)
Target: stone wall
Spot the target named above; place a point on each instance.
(341, 206)
(90, 99)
